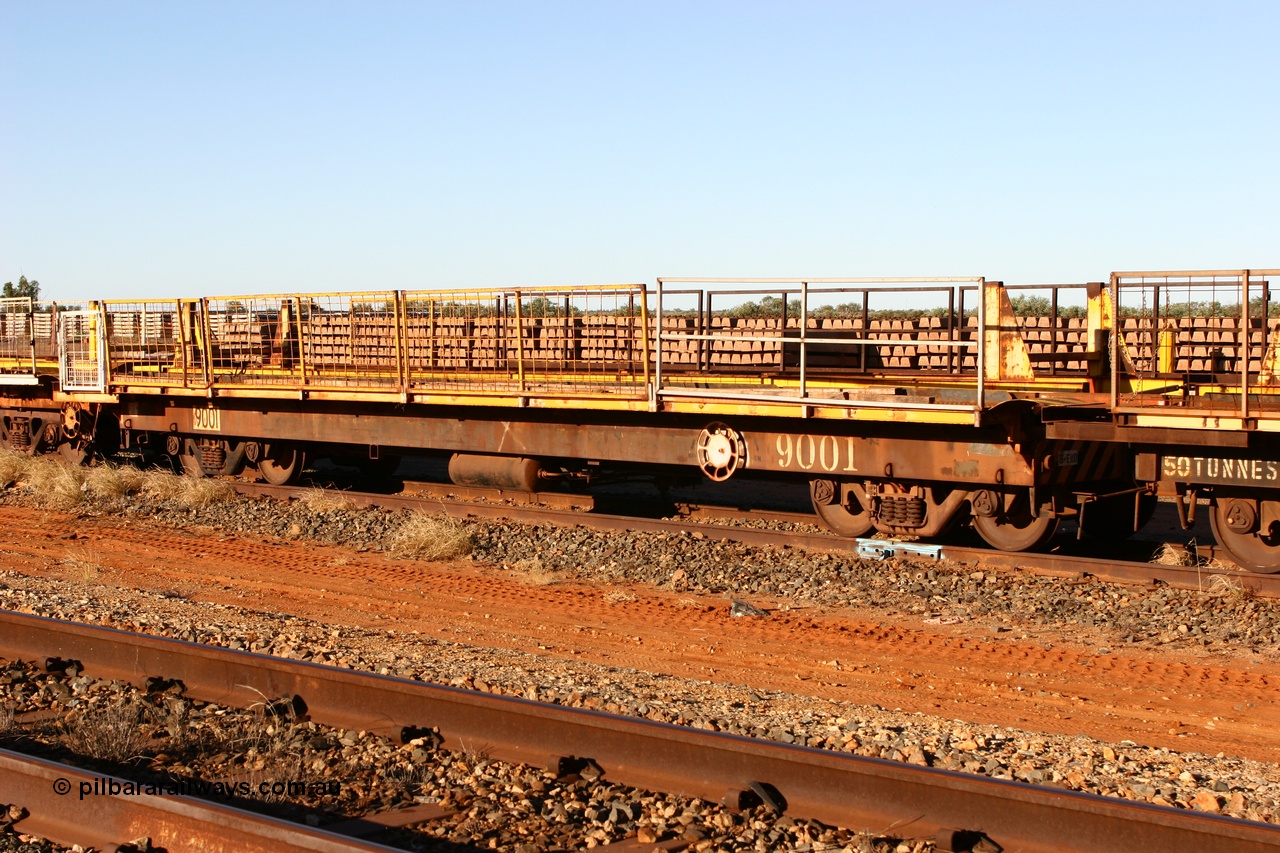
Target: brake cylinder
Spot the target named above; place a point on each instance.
(516, 473)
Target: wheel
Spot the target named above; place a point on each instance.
(1016, 529)
(191, 466)
(75, 452)
(850, 520)
(1234, 524)
(281, 464)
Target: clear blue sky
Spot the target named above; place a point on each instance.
(156, 149)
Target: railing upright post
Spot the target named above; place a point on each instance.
(804, 322)
(1247, 336)
(519, 341)
(657, 373)
(1113, 344)
(982, 351)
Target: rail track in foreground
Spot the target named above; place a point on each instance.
(461, 502)
(959, 811)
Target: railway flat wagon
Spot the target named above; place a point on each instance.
(908, 406)
(1194, 394)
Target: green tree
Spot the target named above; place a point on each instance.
(1031, 306)
(22, 288)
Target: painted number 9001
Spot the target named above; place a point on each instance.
(824, 452)
(207, 420)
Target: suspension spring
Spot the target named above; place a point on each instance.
(902, 511)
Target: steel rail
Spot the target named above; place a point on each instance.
(1059, 564)
(58, 811)
(836, 788)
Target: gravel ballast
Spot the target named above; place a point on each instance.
(1163, 617)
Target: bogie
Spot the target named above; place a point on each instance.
(1249, 530)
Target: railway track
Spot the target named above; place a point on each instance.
(958, 811)
(1071, 561)
(40, 791)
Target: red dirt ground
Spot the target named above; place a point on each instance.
(1051, 682)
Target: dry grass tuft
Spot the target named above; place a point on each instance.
(198, 493)
(56, 484)
(533, 571)
(13, 467)
(425, 537)
(190, 492)
(112, 482)
(1232, 589)
(326, 500)
(161, 485)
(87, 561)
(115, 732)
(1174, 555)
(1186, 555)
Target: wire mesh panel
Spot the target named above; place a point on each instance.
(1195, 338)
(540, 341)
(81, 350)
(790, 338)
(144, 343)
(345, 341)
(17, 341)
(352, 340)
(740, 327)
(252, 340)
(44, 331)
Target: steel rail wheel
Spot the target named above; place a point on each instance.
(1234, 524)
(281, 464)
(76, 452)
(191, 465)
(851, 520)
(1016, 529)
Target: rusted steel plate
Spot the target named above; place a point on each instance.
(1093, 431)
(71, 806)
(1208, 469)
(836, 788)
(971, 456)
(538, 433)
(813, 448)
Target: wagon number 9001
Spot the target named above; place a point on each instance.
(807, 451)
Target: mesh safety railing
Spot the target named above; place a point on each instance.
(17, 340)
(586, 340)
(808, 339)
(80, 348)
(145, 344)
(1195, 339)
(334, 340)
